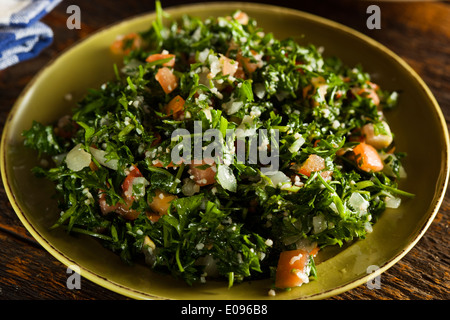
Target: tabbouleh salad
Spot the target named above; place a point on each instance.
(338, 166)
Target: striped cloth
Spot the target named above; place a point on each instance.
(22, 35)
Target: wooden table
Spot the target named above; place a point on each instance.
(417, 31)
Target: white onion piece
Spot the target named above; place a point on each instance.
(297, 144)
(358, 203)
(231, 107)
(393, 202)
(226, 178)
(387, 169)
(100, 156)
(368, 227)
(260, 90)
(77, 158)
(333, 207)
(210, 265)
(278, 178)
(203, 55)
(189, 187)
(141, 182)
(319, 223)
(247, 128)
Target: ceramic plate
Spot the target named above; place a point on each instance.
(418, 123)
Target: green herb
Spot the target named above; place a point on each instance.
(234, 221)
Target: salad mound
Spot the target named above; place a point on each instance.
(302, 156)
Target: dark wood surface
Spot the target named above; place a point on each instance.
(419, 32)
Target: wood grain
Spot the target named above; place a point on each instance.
(419, 32)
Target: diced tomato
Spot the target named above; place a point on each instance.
(371, 94)
(161, 56)
(299, 69)
(240, 73)
(372, 85)
(314, 251)
(368, 92)
(159, 164)
(241, 17)
(175, 107)
(318, 85)
(367, 158)
(203, 176)
(104, 206)
(128, 182)
(314, 163)
(291, 268)
(123, 45)
(229, 66)
(247, 65)
(161, 202)
(327, 174)
(157, 140)
(123, 209)
(153, 217)
(167, 79)
(316, 143)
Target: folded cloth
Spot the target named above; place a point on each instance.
(22, 35)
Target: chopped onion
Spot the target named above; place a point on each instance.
(392, 202)
(189, 187)
(278, 178)
(319, 223)
(100, 156)
(210, 265)
(333, 207)
(358, 203)
(297, 144)
(387, 169)
(226, 178)
(368, 227)
(141, 182)
(203, 55)
(260, 90)
(214, 65)
(232, 106)
(77, 158)
(247, 128)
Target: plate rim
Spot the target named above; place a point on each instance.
(138, 294)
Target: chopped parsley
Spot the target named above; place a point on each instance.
(116, 179)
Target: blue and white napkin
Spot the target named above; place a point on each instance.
(22, 35)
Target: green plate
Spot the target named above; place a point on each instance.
(417, 122)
